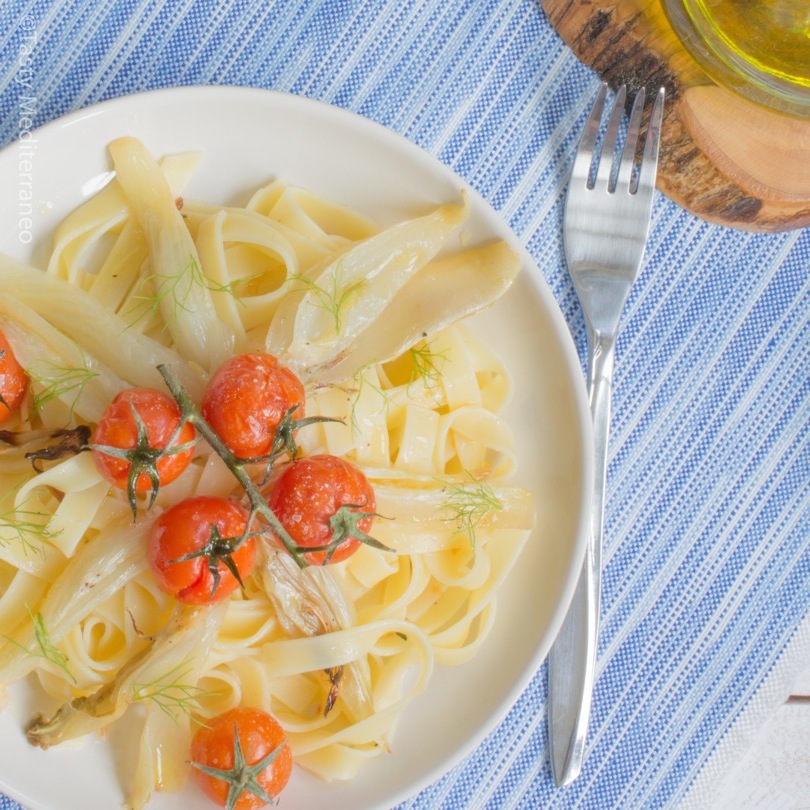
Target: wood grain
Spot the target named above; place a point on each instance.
(723, 158)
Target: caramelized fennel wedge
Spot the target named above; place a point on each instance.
(99, 569)
(186, 637)
(441, 293)
(309, 602)
(182, 291)
(98, 331)
(166, 736)
(327, 309)
(419, 516)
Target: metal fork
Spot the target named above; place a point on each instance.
(607, 219)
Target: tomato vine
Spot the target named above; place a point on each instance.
(284, 443)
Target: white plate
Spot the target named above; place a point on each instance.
(249, 136)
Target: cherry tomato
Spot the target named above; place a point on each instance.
(246, 399)
(118, 430)
(321, 499)
(266, 759)
(190, 549)
(13, 380)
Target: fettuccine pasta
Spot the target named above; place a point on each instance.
(370, 320)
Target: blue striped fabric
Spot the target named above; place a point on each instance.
(707, 567)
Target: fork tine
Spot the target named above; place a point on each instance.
(629, 153)
(587, 141)
(649, 161)
(609, 142)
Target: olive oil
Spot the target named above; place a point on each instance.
(762, 44)
(773, 35)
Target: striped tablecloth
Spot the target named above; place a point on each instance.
(707, 566)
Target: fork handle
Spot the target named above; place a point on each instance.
(572, 660)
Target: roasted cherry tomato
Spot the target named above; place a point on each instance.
(191, 549)
(13, 380)
(242, 759)
(247, 398)
(324, 501)
(138, 454)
